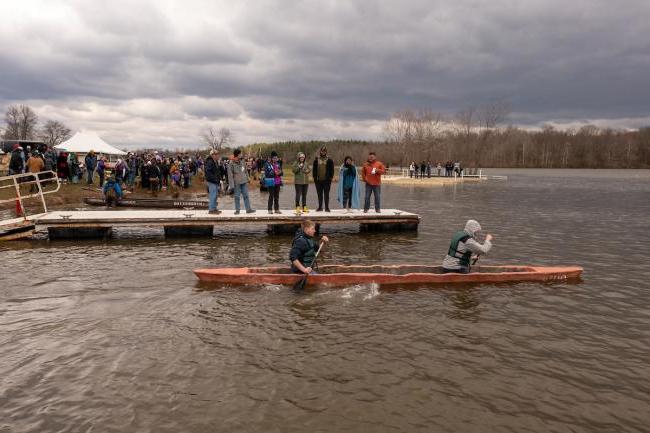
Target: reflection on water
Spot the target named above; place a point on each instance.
(118, 335)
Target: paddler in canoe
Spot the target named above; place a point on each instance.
(304, 248)
(465, 248)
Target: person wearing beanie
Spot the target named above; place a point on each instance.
(301, 182)
(464, 247)
(273, 181)
(323, 173)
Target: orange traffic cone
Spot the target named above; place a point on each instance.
(19, 209)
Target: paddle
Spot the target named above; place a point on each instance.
(301, 283)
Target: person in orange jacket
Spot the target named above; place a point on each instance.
(371, 175)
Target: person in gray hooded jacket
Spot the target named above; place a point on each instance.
(464, 245)
(238, 180)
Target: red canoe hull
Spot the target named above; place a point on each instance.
(335, 275)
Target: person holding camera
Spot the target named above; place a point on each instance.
(371, 175)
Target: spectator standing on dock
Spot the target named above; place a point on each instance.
(371, 175)
(238, 180)
(16, 165)
(213, 179)
(423, 169)
(412, 169)
(323, 173)
(301, 171)
(273, 181)
(428, 169)
(347, 192)
(439, 168)
(464, 244)
(90, 162)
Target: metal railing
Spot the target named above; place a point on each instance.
(17, 181)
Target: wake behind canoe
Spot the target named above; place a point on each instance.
(339, 275)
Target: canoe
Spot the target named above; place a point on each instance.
(340, 275)
(151, 203)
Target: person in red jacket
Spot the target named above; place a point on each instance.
(371, 175)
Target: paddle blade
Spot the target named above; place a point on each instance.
(301, 283)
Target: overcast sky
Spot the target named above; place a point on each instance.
(158, 72)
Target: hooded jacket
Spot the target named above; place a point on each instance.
(356, 188)
(237, 174)
(469, 245)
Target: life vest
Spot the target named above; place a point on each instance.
(308, 258)
(460, 236)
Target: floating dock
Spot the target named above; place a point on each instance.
(191, 222)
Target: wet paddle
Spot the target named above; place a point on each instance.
(301, 283)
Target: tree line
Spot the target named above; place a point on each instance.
(22, 123)
(474, 137)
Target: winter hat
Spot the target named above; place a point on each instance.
(274, 153)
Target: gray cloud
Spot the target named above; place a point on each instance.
(339, 64)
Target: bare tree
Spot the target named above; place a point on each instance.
(21, 123)
(492, 114)
(54, 132)
(466, 118)
(217, 139)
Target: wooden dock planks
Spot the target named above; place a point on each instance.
(188, 218)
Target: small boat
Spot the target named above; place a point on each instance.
(151, 203)
(342, 275)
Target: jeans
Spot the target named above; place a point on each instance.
(213, 190)
(347, 198)
(370, 189)
(323, 192)
(91, 173)
(301, 192)
(274, 197)
(242, 189)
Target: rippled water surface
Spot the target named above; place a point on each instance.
(117, 335)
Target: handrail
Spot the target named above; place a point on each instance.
(34, 179)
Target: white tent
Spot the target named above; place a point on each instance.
(84, 142)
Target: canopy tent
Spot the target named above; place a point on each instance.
(84, 142)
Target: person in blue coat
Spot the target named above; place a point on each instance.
(112, 192)
(348, 189)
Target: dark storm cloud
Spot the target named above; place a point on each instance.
(341, 60)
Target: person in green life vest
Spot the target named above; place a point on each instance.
(465, 247)
(304, 248)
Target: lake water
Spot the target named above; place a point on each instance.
(117, 335)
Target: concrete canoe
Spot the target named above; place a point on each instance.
(340, 275)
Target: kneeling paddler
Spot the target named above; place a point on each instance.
(304, 248)
(464, 245)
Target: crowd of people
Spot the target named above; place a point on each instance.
(155, 171)
(320, 171)
(428, 169)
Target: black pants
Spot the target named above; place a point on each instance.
(274, 197)
(462, 270)
(323, 192)
(347, 198)
(301, 192)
